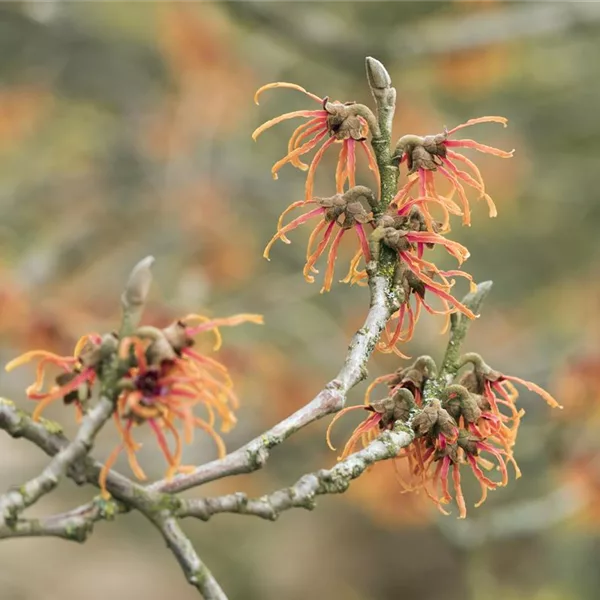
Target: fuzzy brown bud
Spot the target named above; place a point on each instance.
(394, 408)
(427, 419)
(458, 401)
(343, 122)
(177, 336)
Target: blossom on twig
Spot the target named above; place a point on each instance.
(161, 380)
(165, 382)
(342, 210)
(347, 123)
(430, 153)
(73, 384)
(472, 423)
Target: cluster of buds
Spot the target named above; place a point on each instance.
(473, 422)
(156, 378)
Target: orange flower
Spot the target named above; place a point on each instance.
(343, 210)
(400, 328)
(165, 383)
(436, 153)
(333, 122)
(473, 422)
(74, 382)
(419, 273)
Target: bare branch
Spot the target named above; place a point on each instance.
(302, 494)
(74, 525)
(330, 399)
(15, 501)
(196, 572)
(458, 331)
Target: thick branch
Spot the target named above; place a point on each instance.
(331, 399)
(459, 326)
(196, 572)
(15, 501)
(302, 494)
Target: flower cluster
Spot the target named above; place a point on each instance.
(473, 423)
(349, 125)
(160, 382)
(407, 225)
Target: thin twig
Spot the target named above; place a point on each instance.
(459, 326)
(74, 525)
(302, 494)
(15, 501)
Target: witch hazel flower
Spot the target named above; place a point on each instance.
(472, 423)
(488, 382)
(425, 155)
(398, 406)
(412, 377)
(77, 373)
(159, 380)
(416, 295)
(166, 381)
(337, 215)
(348, 124)
(410, 245)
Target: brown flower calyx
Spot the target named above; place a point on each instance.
(348, 120)
(161, 347)
(422, 152)
(414, 283)
(177, 336)
(414, 376)
(433, 420)
(397, 407)
(474, 380)
(396, 239)
(391, 229)
(346, 209)
(459, 402)
(92, 354)
(468, 442)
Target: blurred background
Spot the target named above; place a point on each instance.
(125, 131)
